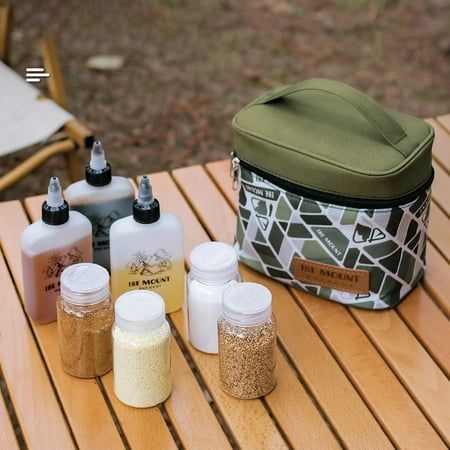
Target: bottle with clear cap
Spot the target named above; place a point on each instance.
(247, 340)
(59, 239)
(214, 268)
(85, 319)
(147, 251)
(103, 199)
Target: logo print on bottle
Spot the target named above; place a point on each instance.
(144, 264)
(57, 262)
(101, 224)
(366, 234)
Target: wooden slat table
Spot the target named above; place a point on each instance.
(346, 377)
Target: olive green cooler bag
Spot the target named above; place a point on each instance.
(334, 192)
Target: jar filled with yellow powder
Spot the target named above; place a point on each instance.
(141, 348)
(85, 318)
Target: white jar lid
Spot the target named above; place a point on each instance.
(247, 304)
(140, 311)
(84, 284)
(213, 262)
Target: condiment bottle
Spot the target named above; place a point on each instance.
(147, 251)
(103, 199)
(247, 339)
(141, 337)
(85, 319)
(214, 268)
(59, 239)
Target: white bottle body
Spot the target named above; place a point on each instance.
(148, 256)
(204, 309)
(46, 251)
(102, 205)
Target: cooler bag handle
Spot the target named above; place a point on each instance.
(391, 131)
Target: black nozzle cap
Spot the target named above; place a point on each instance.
(55, 215)
(100, 177)
(146, 212)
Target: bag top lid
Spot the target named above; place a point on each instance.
(325, 135)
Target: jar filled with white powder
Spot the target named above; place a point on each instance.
(214, 268)
(141, 349)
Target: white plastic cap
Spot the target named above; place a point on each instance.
(55, 196)
(140, 311)
(84, 284)
(98, 161)
(145, 192)
(247, 304)
(213, 262)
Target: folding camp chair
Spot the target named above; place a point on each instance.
(28, 118)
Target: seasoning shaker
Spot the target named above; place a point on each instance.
(85, 319)
(247, 339)
(214, 268)
(141, 348)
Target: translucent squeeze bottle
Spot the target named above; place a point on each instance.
(147, 251)
(59, 239)
(103, 199)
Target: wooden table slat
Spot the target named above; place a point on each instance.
(189, 411)
(135, 424)
(24, 371)
(441, 188)
(429, 325)
(82, 401)
(444, 121)
(438, 231)
(441, 145)
(331, 388)
(144, 428)
(427, 328)
(7, 436)
(248, 421)
(375, 381)
(411, 363)
(301, 420)
(437, 279)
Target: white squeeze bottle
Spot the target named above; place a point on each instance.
(147, 251)
(103, 199)
(61, 238)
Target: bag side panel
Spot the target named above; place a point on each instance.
(274, 226)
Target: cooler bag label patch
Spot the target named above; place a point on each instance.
(349, 280)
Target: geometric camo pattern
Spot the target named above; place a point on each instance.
(274, 226)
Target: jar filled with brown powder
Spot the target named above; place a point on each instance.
(247, 339)
(85, 318)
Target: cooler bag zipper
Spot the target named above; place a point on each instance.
(326, 197)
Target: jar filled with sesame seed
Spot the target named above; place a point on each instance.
(141, 349)
(247, 339)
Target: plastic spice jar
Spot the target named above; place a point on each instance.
(247, 338)
(85, 318)
(141, 343)
(214, 268)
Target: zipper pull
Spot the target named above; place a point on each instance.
(235, 170)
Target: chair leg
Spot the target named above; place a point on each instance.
(74, 129)
(74, 165)
(52, 66)
(5, 32)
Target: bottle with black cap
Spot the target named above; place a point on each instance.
(61, 238)
(103, 199)
(147, 251)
